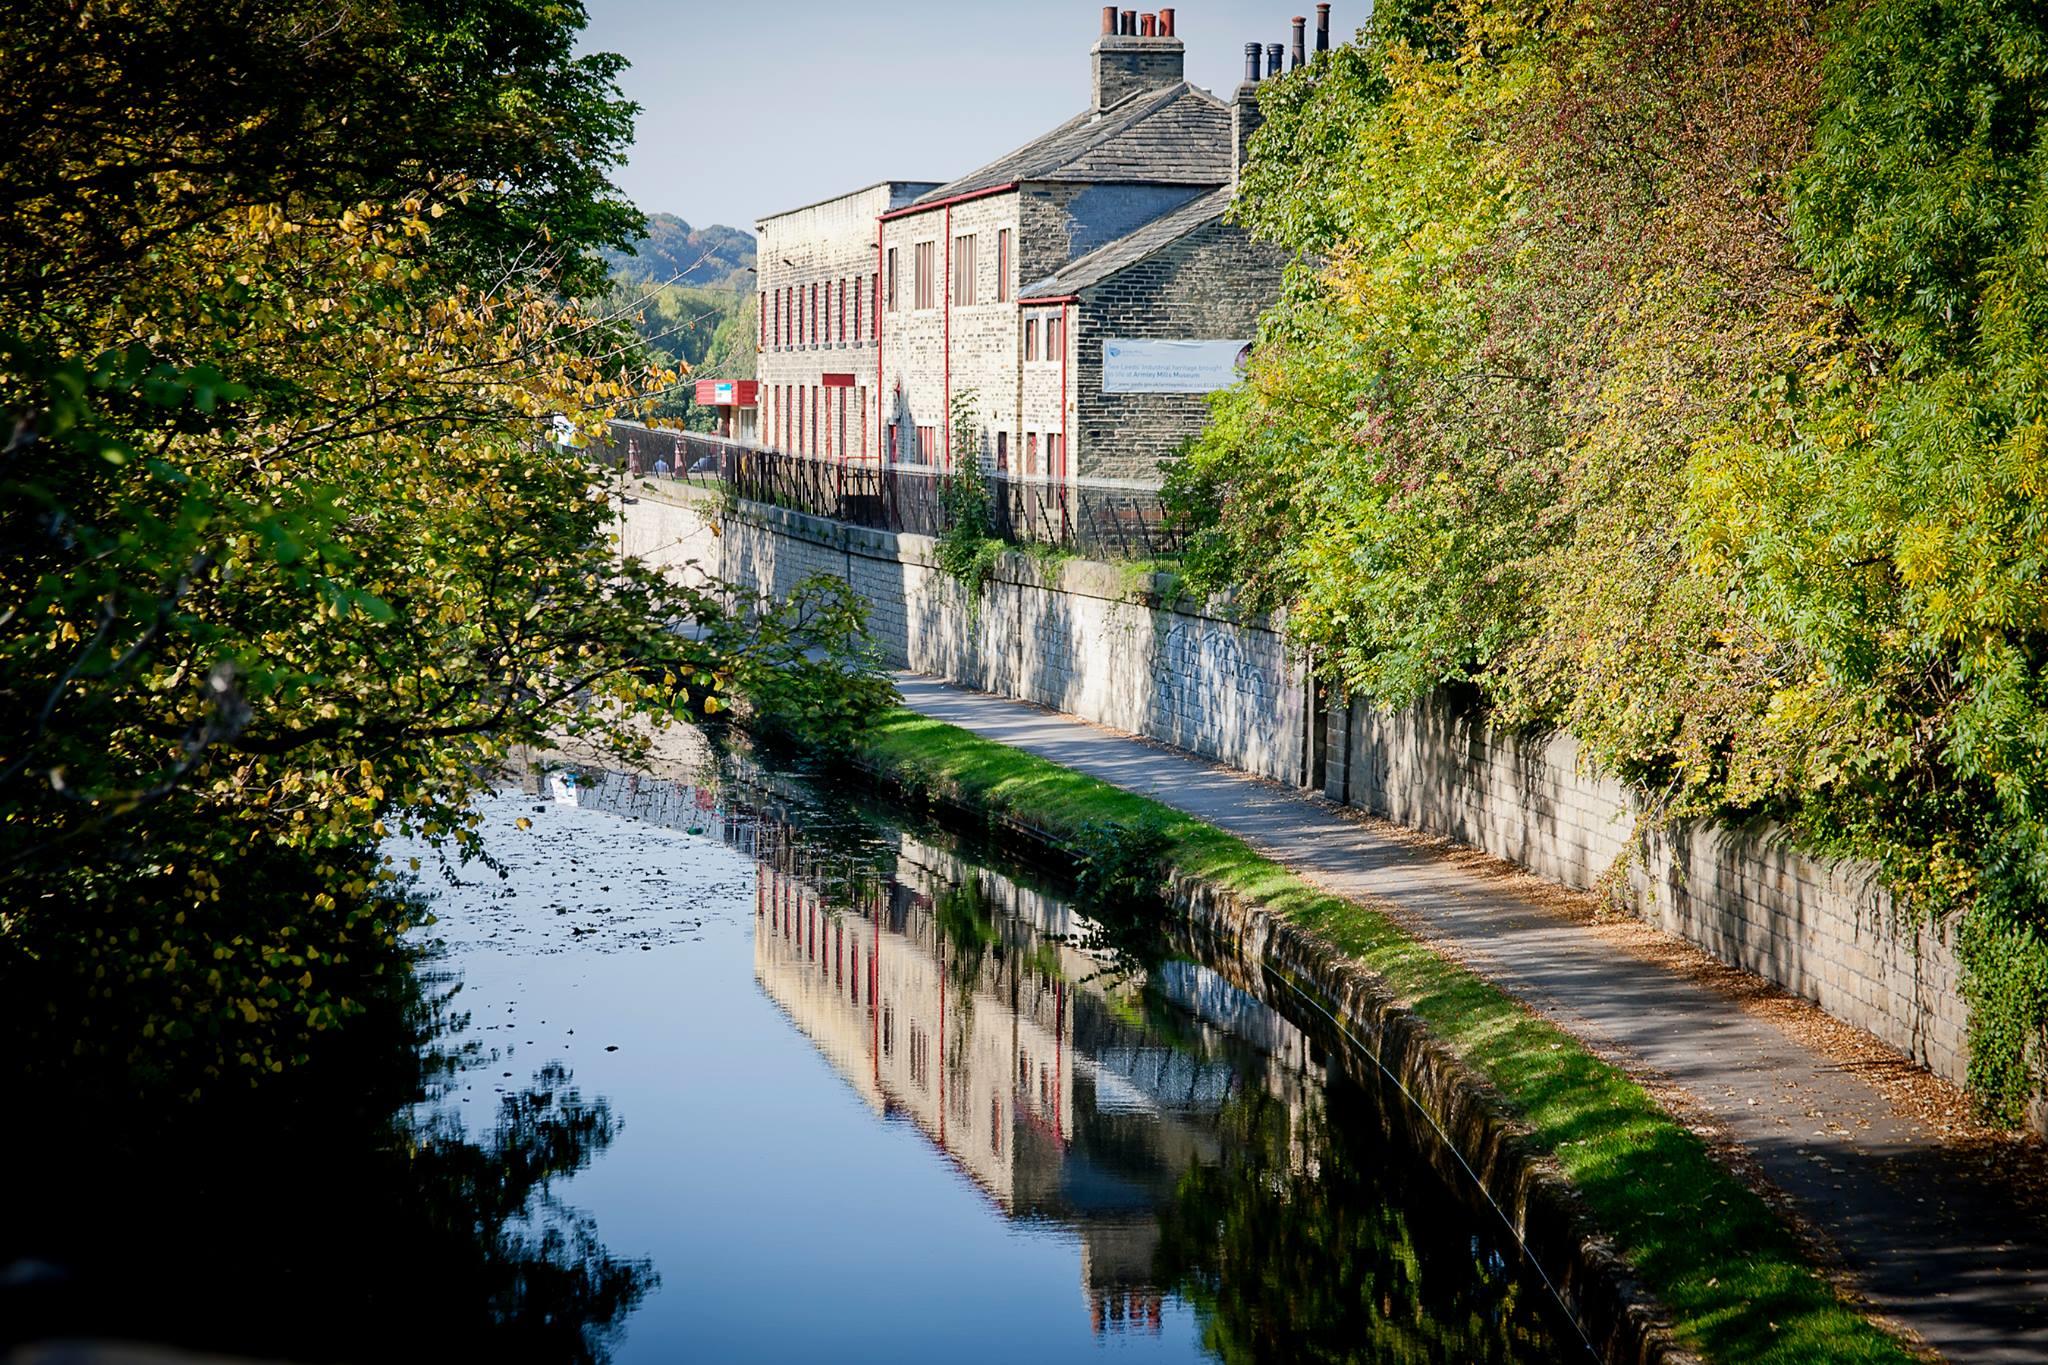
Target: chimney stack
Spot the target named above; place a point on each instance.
(1300, 53)
(1272, 60)
(1135, 58)
(1322, 28)
(1244, 112)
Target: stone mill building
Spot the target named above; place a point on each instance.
(1083, 292)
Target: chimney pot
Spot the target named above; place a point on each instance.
(1251, 63)
(1126, 62)
(1109, 18)
(1166, 23)
(1322, 28)
(1272, 60)
(1300, 53)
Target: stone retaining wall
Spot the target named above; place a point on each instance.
(1089, 639)
(1820, 929)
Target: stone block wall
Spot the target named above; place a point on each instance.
(1211, 284)
(1821, 929)
(1088, 639)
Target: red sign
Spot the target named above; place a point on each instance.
(728, 393)
(836, 381)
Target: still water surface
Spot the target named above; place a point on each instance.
(879, 1102)
(718, 1067)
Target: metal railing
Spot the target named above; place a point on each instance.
(1099, 518)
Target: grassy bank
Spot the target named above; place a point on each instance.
(1736, 1284)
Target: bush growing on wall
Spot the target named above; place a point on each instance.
(1616, 380)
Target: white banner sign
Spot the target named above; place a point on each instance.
(1171, 366)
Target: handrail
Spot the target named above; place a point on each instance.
(1099, 518)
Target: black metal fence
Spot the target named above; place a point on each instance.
(1099, 518)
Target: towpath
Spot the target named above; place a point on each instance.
(1926, 1232)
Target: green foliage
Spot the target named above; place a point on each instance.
(1897, 518)
(809, 672)
(968, 549)
(1671, 374)
(287, 562)
(688, 329)
(1119, 869)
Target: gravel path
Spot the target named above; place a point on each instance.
(1930, 1231)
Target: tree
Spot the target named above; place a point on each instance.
(289, 562)
(1671, 374)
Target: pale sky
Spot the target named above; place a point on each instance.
(751, 108)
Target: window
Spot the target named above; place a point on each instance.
(1055, 341)
(927, 444)
(862, 414)
(1002, 452)
(761, 314)
(812, 449)
(1003, 266)
(1055, 455)
(815, 315)
(922, 270)
(798, 395)
(920, 1058)
(860, 286)
(1031, 338)
(890, 267)
(875, 319)
(842, 312)
(1030, 454)
(963, 271)
(842, 418)
(895, 456)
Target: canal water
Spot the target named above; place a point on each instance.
(719, 1066)
(881, 1096)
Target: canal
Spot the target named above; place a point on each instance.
(721, 1066)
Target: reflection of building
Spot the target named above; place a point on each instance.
(952, 997)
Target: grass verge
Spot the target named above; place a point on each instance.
(1735, 1282)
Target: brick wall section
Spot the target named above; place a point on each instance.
(1821, 929)
(1084, 638)
(1212, 283)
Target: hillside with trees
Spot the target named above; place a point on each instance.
(1673, 374)
(689, 293)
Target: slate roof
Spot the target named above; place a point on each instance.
(1176, 136)
(1134, 246)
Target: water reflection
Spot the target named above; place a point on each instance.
(337, 1219)
(1200, 1151)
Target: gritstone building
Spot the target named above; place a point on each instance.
(1081, 294)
